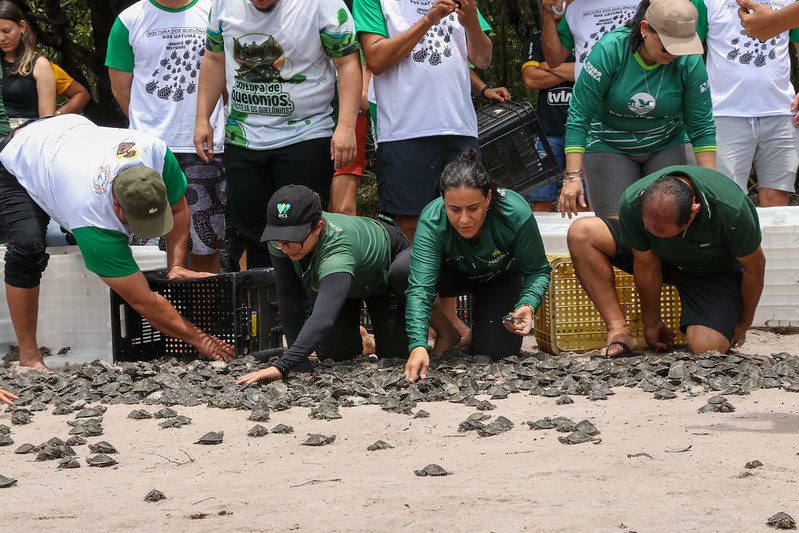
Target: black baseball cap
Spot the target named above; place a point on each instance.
(290, 213)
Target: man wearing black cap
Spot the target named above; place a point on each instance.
(344, 260)
(103, 185)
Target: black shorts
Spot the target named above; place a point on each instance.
(710, 300)
(408, 170)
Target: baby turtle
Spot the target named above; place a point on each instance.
(21, 417)
(664, 394)
(91, 412)
(51, 452)
(317, 439)
(68, 462)
(577, 437)
(325, 411)
(26, 448)
(4, 429)
(257, 431)
(587, 427)
(283, 429)
(6, 482)
(63, 409)
(101, 461)
(6, 440)
(139, 414)
(564, 400)
(75, 440)
(102, 447)
(166, 412)
(717, 404)
(597, 395)
(432, 470)
(379, 445)
(421, 413)
(564, 425)
(753, 464)
(544, 423)
(210, 438)
(154, 495)
(259, 415)
(177, 422)
(475, 421)
(779, 521)
(497, 426)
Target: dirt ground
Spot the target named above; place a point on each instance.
(519, 480)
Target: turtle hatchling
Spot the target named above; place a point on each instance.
(212, 437)
(564, 400)
(432, 470)
(139, 414)
(27, 448)
(68, 462)
(544, 423)
(166, 412)
(154, 496)
(102, 447)
(257, 431)
(91, 412)
(75, 440)
(421, 413)
(577, 437)
(101, 460)
(177, 422)
(283, 429)
(778, 521)
(497, 426)
(317, 439)
(6, 482)
(6, 440)
(21, 417)
(379, 445)
(753, 464)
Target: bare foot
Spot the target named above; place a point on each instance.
(33, 361)
(368, 342)
(446, 340)
(464, 331)
(621, 335)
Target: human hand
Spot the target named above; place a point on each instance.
(739, 334)
(418, 363)
(267, 374)
(519, 321)
(215, 349)
(572, 196)
(467, 13)
(343, 147)
(177, 273)
(204, 140)
(499, 94)
(555, 8)
(7, 398)
(759, 21)
(441, 9)
(658, 335)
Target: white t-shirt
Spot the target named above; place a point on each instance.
(67, 165)
(163, 49)
(747, 78)
(280, 76)
(427, 93)
(587, 21)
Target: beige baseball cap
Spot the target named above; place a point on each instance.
(675, 23)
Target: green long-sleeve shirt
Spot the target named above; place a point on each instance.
(622, 105)
(510, 241)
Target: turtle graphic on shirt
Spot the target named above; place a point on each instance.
(178, 70)
(436, 45)
(262, 62)
(641, 104)
(749, 51)
(605, 26)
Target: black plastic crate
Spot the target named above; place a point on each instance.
(464, 310)
(239, 308)
(507, 133)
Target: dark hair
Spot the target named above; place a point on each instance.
(636, 40)
(466, 171)
(670, 187)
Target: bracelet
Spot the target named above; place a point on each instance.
(572, 175)
(484, 89)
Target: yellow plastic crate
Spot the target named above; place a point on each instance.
(568, 320)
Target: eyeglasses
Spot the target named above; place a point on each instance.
(662, 47)
(291, 245)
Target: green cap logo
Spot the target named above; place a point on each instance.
(283, 209)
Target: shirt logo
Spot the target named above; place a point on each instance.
(101, 179)
(592, 71)
(706, 245)
(495, 253)
(153, 210)
(641, 104)
(282, 210)
(127, 150)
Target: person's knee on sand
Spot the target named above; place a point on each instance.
(704, 339)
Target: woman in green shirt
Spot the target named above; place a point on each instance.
(474, 239)
(642, 96)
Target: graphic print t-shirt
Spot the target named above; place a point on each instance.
(747, 78)
(67, 165)
(163, 49)
(587, 21)
(280, 77)
(428, 92)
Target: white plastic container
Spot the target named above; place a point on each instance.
(74, 306)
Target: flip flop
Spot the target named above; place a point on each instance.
(625, 350)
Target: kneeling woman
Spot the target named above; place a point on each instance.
(481, 240)
(344, 260)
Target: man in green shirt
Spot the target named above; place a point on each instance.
(104, 185)
(688, 226)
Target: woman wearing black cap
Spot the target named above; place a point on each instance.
(344, 260)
